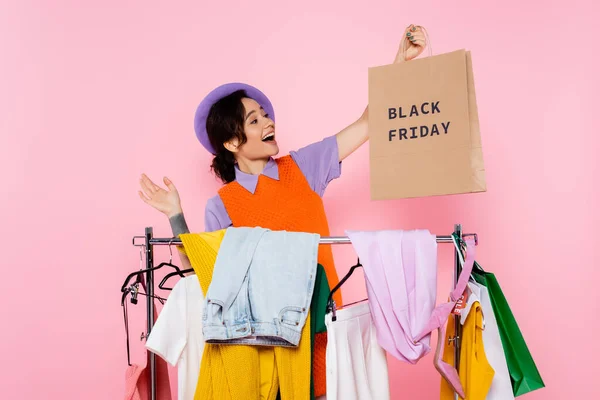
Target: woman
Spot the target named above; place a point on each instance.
(235, 122)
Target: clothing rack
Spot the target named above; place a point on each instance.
(150, 242)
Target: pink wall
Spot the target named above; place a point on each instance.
(95, 93)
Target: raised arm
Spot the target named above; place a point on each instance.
(167, 202)
(356, 134)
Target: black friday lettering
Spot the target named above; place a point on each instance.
(419, 131)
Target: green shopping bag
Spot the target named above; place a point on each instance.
(524, 374)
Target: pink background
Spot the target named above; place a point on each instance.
(95, 93)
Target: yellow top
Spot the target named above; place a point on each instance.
(231, 372)
(474, 371)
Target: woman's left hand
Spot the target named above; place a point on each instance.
(412, 45)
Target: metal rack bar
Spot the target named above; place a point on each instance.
(323, 240)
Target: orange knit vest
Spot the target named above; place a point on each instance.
(287, 204)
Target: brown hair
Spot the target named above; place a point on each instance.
(225, 122)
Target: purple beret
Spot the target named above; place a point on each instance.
(217, 94)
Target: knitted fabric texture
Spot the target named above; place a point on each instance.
(231, 372)
(287, 204)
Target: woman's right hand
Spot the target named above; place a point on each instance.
(165, 201)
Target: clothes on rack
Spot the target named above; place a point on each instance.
(177, 334)
(441, 312)
(254, 262)
(233, 372)
(400, 270)
(318, 309)
(287, 200)
(436, 321)
(446, 370)
(401, 276)
(475, 372)
(356, 364)
(401, 279)
(500, 388)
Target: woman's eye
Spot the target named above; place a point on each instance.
(254, 121)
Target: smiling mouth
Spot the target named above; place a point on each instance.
(269, 138)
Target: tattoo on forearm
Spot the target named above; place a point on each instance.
(178, 224)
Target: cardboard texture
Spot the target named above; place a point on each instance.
(424, 128)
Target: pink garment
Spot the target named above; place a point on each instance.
(441, 312)
(447, 371)
(400, 270)
(137, 383)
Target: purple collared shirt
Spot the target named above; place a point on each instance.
(319, 162)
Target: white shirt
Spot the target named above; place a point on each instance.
(177, 334)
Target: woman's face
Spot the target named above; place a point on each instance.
(260, 133)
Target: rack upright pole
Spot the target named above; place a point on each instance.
(150, 308)
(457, 330)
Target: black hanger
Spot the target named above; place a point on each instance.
(126, 319)
(330, 303)
(170, 274)
(133, 290)
(144, 270)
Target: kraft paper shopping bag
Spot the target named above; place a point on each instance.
(424, 128)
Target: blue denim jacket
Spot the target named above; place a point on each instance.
(261, 287)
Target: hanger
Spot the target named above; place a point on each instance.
(330, 303)
(137, 274)
(134, 288)
(460, 245)
(170, 274)
(133, 291)
(463, 246)
(133, 299)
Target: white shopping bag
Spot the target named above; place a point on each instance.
(501, 388)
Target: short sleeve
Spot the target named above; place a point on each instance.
(215, 215)
(319, 162)
(168, 337)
